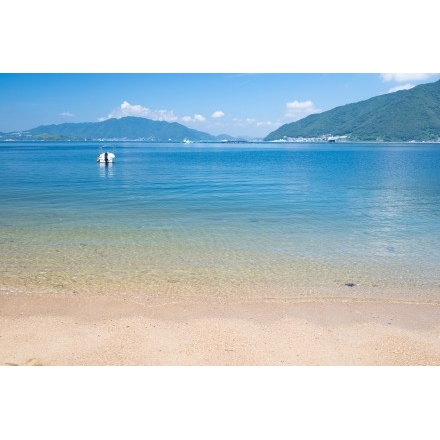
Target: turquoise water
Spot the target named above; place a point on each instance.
(250, 220)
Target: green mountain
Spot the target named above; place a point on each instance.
(131, 128)
(400, 116)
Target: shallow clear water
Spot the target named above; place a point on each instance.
(225, 220)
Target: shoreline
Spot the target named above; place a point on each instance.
(123, 330)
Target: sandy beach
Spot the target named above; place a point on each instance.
(72, 330)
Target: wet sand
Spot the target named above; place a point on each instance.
(72, 330)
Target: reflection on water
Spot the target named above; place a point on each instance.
(106, 170)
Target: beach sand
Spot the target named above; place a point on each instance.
(74, 330)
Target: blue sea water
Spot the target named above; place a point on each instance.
(239, 220)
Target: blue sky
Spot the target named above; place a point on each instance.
(232, 103)
(220, 68)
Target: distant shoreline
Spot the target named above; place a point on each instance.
(304, 141)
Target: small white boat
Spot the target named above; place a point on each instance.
(105, 156)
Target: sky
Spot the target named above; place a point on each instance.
(218, 68)
(236, 104)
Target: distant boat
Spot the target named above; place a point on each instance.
(105, 156)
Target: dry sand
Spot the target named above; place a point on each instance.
(71, 330)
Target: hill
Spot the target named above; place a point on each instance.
(132, 128)
(405, 115)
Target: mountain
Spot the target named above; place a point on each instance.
(132, 128)
(405, 115)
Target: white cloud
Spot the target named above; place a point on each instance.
(195, 118)
(265, 124)
(216, 121)
(406, 78)
(252, 122)
(67, 114)
(406, 86)
(199, 118)
(126, 109)
(403, 77)
(164, 115)
(297, 110)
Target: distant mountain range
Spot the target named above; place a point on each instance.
(128, 128)
(405, 115)
(401, 116)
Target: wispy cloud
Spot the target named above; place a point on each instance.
(127, 109)
(195, 118)
(404, 77)
(67, 114)
(252, 122)
(406, 86)
(297, 110)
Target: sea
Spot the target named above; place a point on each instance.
(221, 220)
